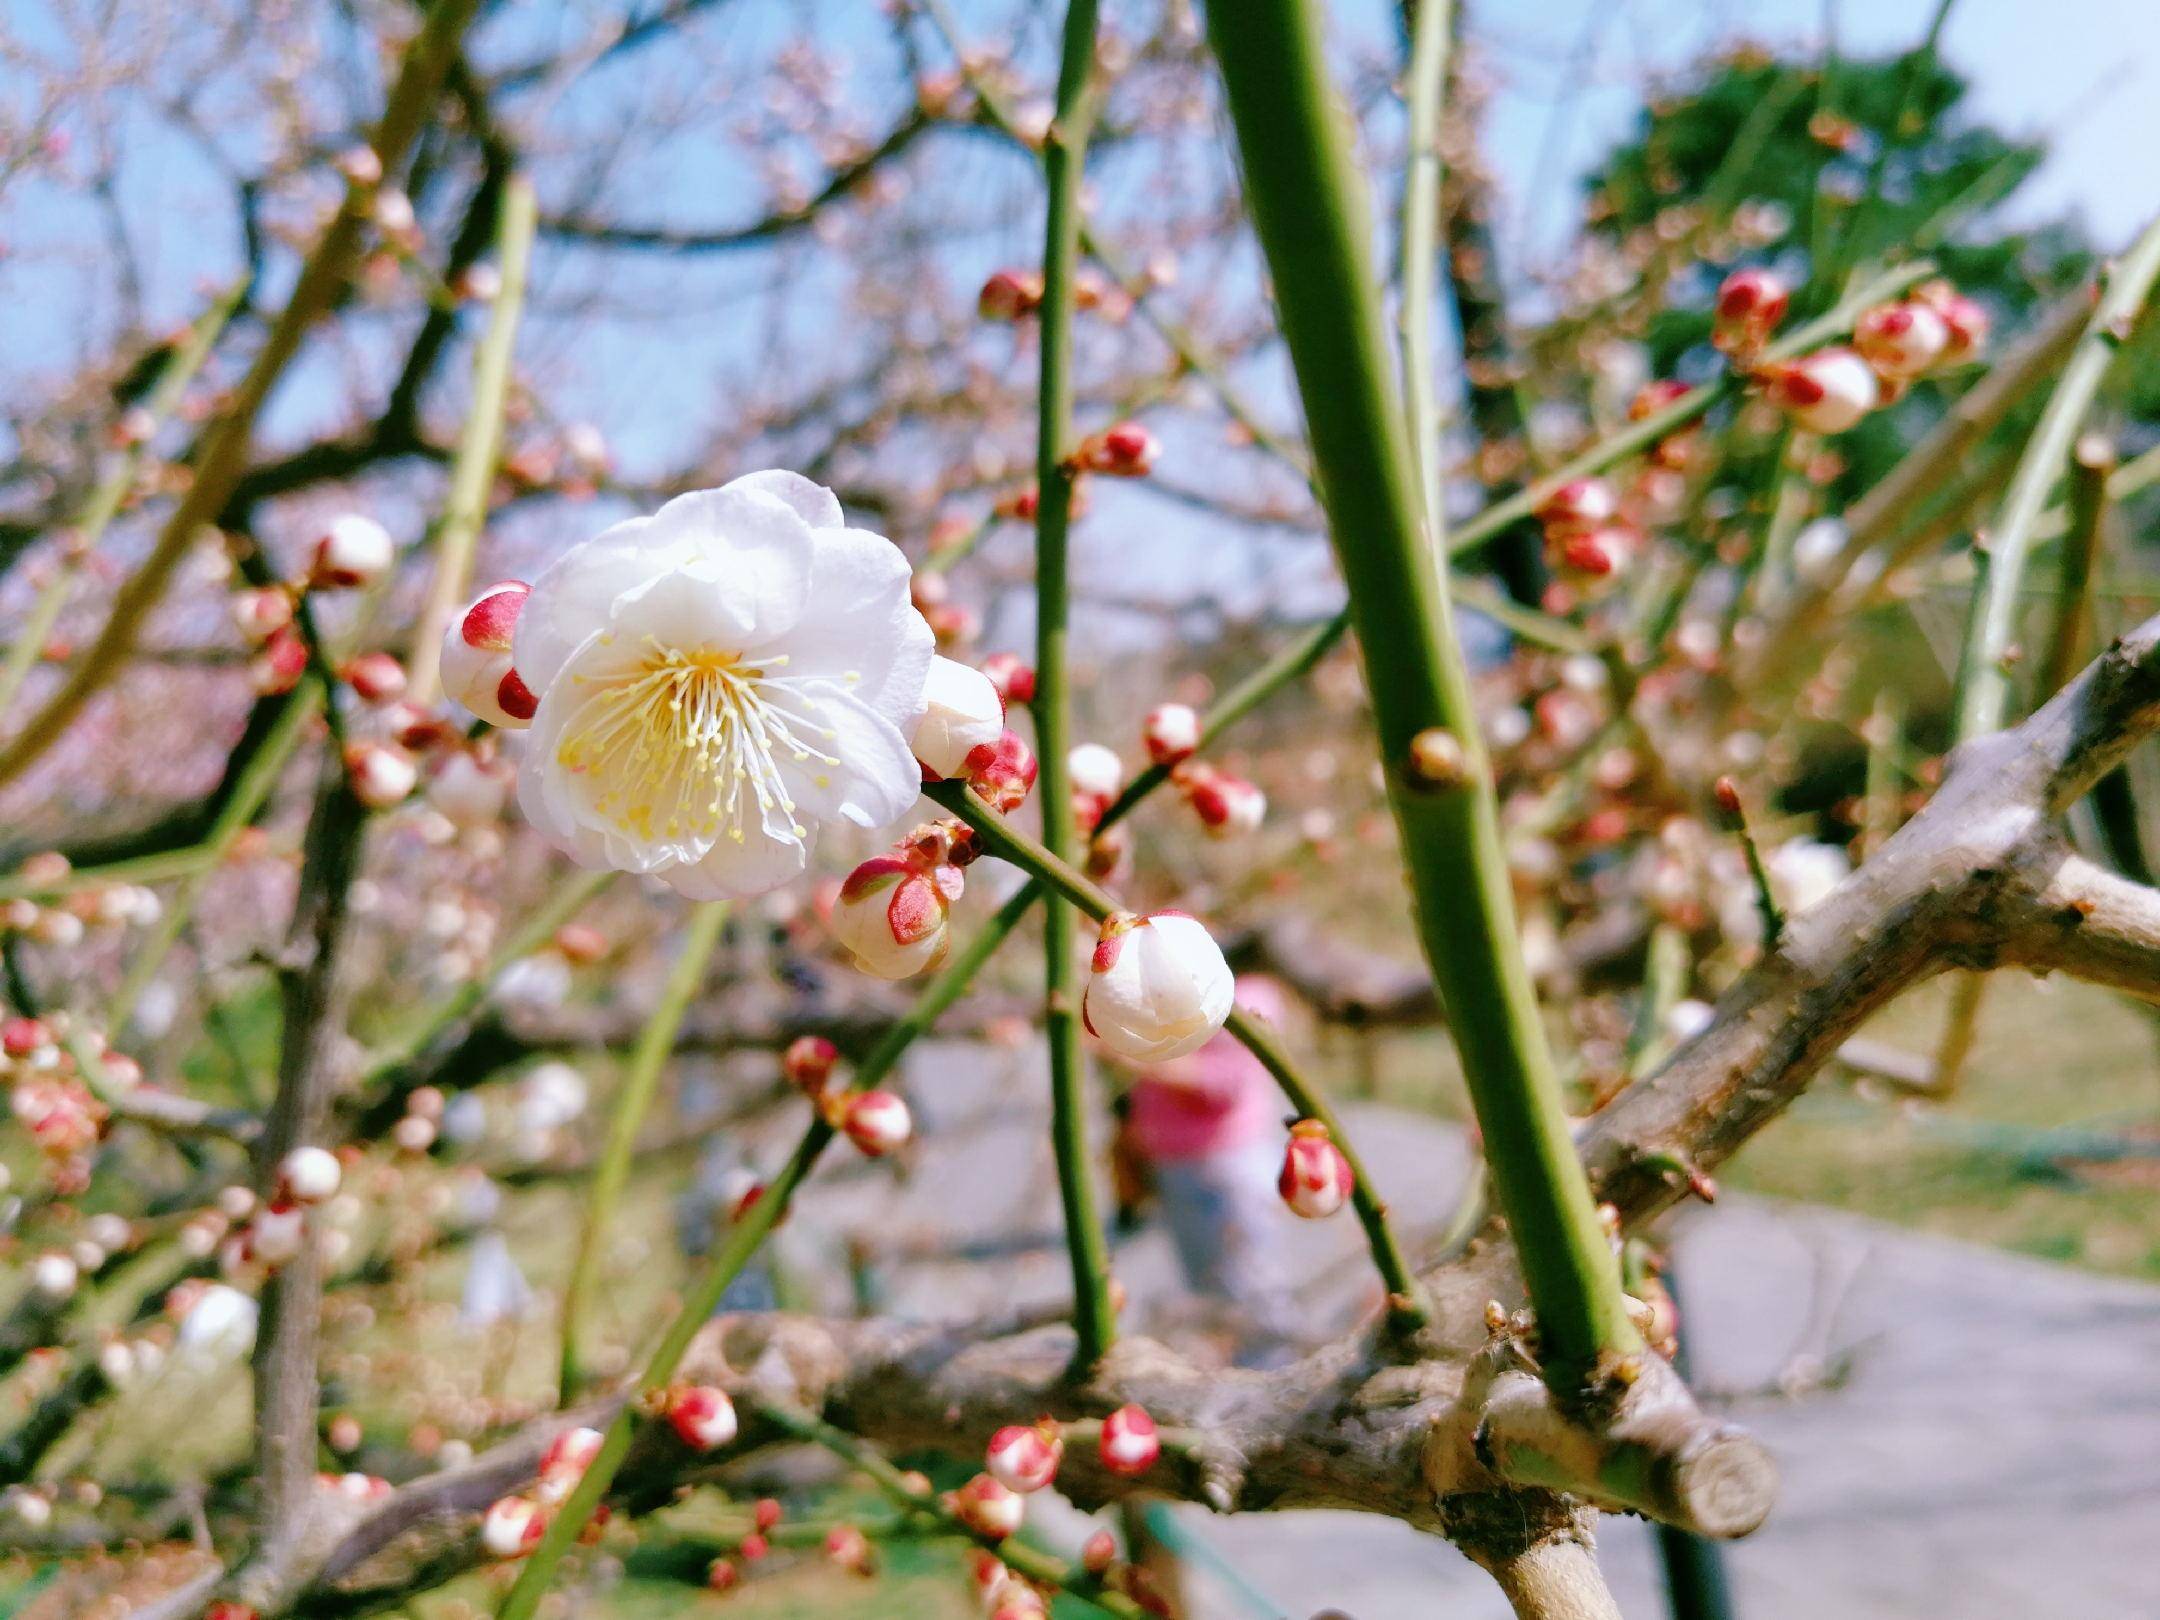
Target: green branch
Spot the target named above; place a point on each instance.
(1312, 210)
(640, 1084)
(1983, 682)
(1064, 158)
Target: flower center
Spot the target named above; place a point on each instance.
(689, 743)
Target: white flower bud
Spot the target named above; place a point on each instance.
(877, 1122)
(354, 550)
(511, 1527)
(1158, 987)
(1095, 770)
(309, 1175)
(382, 774)
(1171, 732)
(55, 1275)
(467, 791)
(1901, 340)
(964, 713)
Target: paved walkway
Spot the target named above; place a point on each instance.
(1981, 1441)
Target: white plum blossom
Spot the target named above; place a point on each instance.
(1158, 987)
(963, 711)
(717, 680)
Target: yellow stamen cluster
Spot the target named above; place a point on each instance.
(684, 744)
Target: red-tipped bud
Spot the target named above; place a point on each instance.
(963, 711)
(24, 1037)
(1098, 1552)
(808, 1062)
(309, 1175)
(1129, 1444)
(1965, 322)
(849, 1548)
(1025, 1457)
(1012, 675)
(702, 1416)
(892, 915)
(277, 668)
(1598, 552)
(1749, 306)
(877, 1122)
(989, 1508)
(1578, 507)
(1827, 391)
(1010, 295)
(1170, 733)
(723, 1575)
(564, 1462)
(476, 669)
(1316, 1179)
(353, 551)
(1901, 341)
(1003, 772)
(1126, 450)
(512, 1527)
(375, 677)
(1228, 806)
(764, 1514)
(382, 774)
(1158, 987)
(261, 613)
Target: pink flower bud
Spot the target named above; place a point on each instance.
(354, 550)
(1316, 1179)
(476, 668)
(808, 1062)
(309, 1175)
(1126, 450)
(849, 1548)
(512, 1527)
(702, 1416)
(261, 614)
(1228, 806)
(418, 730)
(276, 1233)
(752, 1547)
(963, 712)
(765, 1513)
(1009, 295)
(1129, 1443)
(1826, 392)
(382, 774)
(375, 677)
(1965, 322)
(1749, 306)
(1018, 1601)
(1579, 506)
(1012, 675)
(1098, 1552)
(1025, 1457)
(1158, 987)
(24, 1037)
(226, 1609)
(722, 1575)
(1003, 772)
(891, 915)
(1901, 341)
(877, 1122)
(988, 1574)
(1171, 732)
(277, 668)
(989, 1508)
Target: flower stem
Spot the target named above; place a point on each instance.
(1420, 243)
(1064, 155)
(1008, 843)
(641, 1083)
(472, 475)
(1983, 682)
(1311, 205)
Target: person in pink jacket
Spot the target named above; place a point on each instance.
(1206, 1132)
